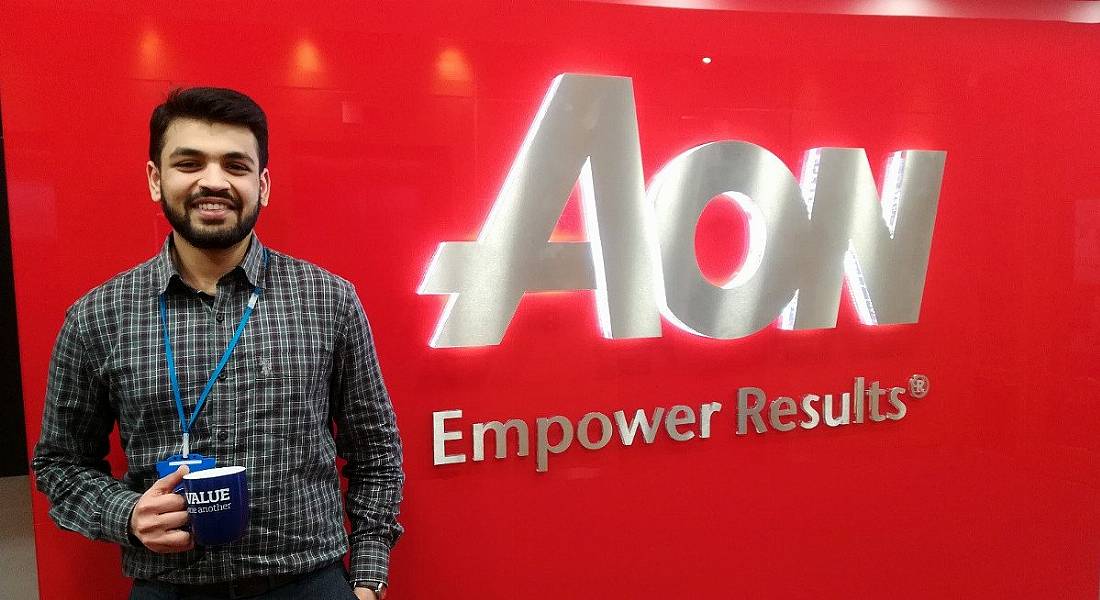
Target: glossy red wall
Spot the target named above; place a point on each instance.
(393, 126)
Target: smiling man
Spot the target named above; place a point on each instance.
(222, 348)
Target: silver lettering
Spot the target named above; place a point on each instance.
(805, 238)
(880, 247)
(587, 128)
(831, 419)
(543, 448)
(501, 441)
(705, 413)
(440, 437)
(605, 430)
(875, 394)
(762, 186)
(858, 396)
(812, 417)
(648, 427)
(899, 406)
(679, 415)
(782, 407)
(744, 412)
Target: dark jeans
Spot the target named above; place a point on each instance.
(327, 583)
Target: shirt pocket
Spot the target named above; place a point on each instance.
(289, 392)
(287, 361)
(288, 437)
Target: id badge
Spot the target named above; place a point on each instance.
(194, 462)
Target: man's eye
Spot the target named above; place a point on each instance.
(187, 164)
(238, 167)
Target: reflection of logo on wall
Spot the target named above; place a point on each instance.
(805, 237)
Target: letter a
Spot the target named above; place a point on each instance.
(586, 128)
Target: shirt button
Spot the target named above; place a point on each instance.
(223, 375)
(221, 318)
(223, 435)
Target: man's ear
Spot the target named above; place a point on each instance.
(152, 173)
(265, 186)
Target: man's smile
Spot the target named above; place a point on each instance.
(212, 209)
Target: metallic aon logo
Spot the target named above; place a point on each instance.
(806, 236)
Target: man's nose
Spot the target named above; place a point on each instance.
(214, 178)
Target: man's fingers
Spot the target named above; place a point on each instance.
(174, 520)
(155, 505)
(168, 483)
(160, 514)
(171, 541)
(151, 526)
(177, 539)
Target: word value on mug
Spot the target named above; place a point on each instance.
(210, 497)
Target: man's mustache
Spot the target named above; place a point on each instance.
(221, 194)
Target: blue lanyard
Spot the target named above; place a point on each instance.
(185, 423)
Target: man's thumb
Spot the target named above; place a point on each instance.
(169, 482)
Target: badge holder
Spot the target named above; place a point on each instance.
(194, 462)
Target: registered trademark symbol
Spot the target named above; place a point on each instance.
(918, 385)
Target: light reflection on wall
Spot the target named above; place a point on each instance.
(151, 54)
(453, 74)
(1070, 11)
(307, 64)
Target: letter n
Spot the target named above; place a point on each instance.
(879, 246)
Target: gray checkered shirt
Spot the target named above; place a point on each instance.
(305, 362)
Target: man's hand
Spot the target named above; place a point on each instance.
(363, 593)
(159, 515)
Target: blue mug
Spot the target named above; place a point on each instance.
(217, 503)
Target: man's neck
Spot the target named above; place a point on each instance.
(202, 268)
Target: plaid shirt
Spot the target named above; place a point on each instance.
(306, 360)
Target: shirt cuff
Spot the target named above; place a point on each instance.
(116, 518)
(370, 561)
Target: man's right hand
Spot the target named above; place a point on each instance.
(160, 515)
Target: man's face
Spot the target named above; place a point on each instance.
(209, 182)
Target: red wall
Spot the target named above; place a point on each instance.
(392, 130)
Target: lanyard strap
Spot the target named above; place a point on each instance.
(185, 423)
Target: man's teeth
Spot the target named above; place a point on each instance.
(211, 206)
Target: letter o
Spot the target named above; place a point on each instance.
(766, 190)
(582, 430)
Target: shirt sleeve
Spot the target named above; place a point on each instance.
(69, 461)
(367, 439)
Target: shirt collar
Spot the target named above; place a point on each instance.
(165, 270)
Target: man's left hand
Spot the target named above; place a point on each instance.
(363, 593)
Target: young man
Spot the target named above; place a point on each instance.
(303, 361)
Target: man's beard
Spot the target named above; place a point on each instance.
(218, 238)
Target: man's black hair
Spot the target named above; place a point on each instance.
(216, 105)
